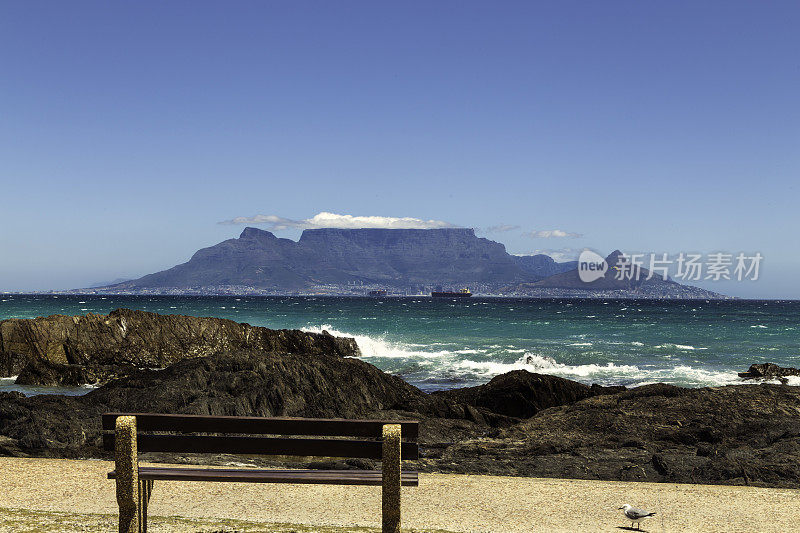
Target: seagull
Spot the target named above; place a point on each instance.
(635, 515)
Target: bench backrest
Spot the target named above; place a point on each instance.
(262, 436)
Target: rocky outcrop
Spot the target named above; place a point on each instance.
(238, 384)
(399, 257)
(769, 371)
(105, 346)
(519, 423)
(44, 373)
(733, 435)
(522, 394)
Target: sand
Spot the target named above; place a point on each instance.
(446, 502)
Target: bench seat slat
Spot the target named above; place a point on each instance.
(365, 449)
(331, 477)
(323, 427)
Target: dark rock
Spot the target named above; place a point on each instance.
(732, 435)
(10, 447)
(519, 423)
(108, 345)
(769, 371)
(520, 394)
(660, 464)
(43, 372)
(602, 389)
(240, 384)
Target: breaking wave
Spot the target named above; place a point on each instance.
(446, 363)
(374, 347)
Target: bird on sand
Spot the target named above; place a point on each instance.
(635, 515)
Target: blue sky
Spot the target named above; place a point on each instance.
(128, 131)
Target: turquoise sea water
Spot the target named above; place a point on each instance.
(444, 343)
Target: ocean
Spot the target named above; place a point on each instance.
(445, 343)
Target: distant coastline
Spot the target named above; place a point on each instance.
(401, 262)
(539, 294)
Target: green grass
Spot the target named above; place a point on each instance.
(27, 521)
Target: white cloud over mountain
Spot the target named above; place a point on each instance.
(559, 254)
(333, 220)
(552, 234)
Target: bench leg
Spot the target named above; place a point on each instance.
(391, 478)
(145, 489)
(127, 468)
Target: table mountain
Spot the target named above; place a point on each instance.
(392, 257)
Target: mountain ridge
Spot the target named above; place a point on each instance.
(348, 261)
(636, 282)
(393, 257)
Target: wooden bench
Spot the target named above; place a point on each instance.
(129, 433)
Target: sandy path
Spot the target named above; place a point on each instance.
(452, 502)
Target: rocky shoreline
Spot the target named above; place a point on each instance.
(519, 423)
(62, 350)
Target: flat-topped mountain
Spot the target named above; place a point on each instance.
(351, 261)
(392, 257)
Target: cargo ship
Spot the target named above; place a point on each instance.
(379, 292)
(463, 293)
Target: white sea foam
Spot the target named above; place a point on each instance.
(682, 374)
(608, 373)
(546, 365)
(679, 346)
(444, 359)
(630, 375)
(377, 346)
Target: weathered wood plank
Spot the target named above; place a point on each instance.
(366, 449)
(337, 477)
(330, 427)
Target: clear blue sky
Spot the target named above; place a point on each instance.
(129, 130)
